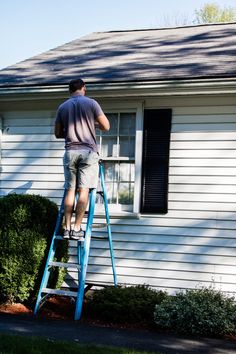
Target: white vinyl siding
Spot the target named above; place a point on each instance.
(194, 244)
(31, 156)
(203, 160)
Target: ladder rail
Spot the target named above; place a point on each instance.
(108, 223)
(86, 249)
(50, 256)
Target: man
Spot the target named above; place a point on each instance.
(75, 121)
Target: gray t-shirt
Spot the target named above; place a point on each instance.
(77, 116)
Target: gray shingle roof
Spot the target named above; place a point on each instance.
(155, 54)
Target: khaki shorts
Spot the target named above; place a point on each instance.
(80, 169)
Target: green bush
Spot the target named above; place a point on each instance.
(203, 311)
(133, 304)
(26, 228)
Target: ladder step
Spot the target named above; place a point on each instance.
(59, 292)
(99, 226)
(64, 265)
(100, 237)
(58, 237)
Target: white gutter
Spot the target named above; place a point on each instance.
(128, 89)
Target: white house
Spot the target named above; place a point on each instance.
(170, 155)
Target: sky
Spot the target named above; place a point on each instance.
(30, 27)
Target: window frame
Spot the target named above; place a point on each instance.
(137, 109)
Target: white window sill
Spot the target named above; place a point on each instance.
(116, 211)
(118, 214)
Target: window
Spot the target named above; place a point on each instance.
(117, 149)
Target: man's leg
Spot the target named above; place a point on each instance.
(81, 207)
(68, 207)
(86, 179)
(70, 172)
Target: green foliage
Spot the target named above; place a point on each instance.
(213, 13)
(133, 304)
(200, 311)
(26, 227)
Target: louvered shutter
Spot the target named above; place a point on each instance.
(155, 166)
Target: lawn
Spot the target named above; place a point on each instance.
(14, 344)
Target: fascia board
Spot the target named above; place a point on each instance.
(127, 89)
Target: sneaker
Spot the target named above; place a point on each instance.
(77, 235)
(66, 234)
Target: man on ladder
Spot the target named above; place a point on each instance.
(76, 120)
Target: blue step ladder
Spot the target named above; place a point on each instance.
(83, 249)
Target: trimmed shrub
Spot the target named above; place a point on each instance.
(134, 304)
(26, 228)
(203, 311)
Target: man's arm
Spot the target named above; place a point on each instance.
(58, 130)
(103, 122)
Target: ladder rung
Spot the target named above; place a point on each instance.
(59, 292)
(99, 226)
(100, 237)
(58, 237)
(64, 265)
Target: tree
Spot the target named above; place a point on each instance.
(213, 13)
(174, 20)
(208, 13)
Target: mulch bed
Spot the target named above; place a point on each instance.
(54, 308)
(63, 308)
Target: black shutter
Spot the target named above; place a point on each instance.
(155, 167)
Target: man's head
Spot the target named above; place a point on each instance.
(76, 85)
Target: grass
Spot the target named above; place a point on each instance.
(14, 344)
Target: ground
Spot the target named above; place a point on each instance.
(62, 308)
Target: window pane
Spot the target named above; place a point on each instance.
(126, 193)
(113, 119)
(109, 147)
(127, 123)
(127, 145)
(111, 171)
(126, 172)
(97, 134)
(111, 190)
(111, 181)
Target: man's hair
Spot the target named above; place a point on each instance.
(76, 84)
